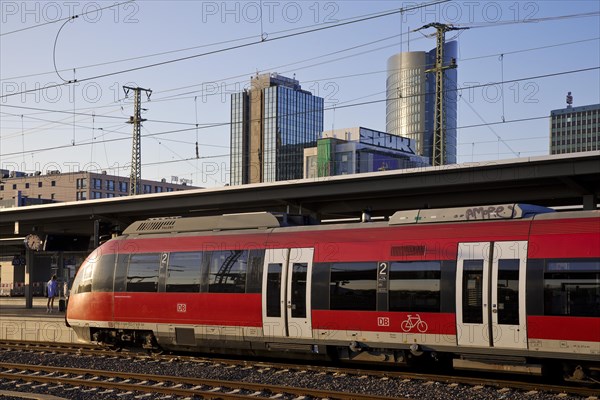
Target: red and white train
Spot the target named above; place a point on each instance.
(505, 287)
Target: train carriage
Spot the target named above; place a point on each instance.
(504, 287)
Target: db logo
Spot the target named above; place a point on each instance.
(181, 308)
(383, 321)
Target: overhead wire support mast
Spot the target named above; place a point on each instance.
(439, 127)
(136, 151)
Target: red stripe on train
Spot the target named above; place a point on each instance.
(228, 309)
(585, 329)
(375, 321)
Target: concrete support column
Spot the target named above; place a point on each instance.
(29, 261)
(590, 201)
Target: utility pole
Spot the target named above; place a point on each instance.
(439, 126)
(136, 151)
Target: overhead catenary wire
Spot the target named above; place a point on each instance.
(236, 47)
(355, 105)
(65, 19)
(215, 43)
(43, 110)
(473, 26)
(155, 100)
(195, 124)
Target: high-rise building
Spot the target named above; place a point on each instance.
(410, 106)
(271, 124)
(575, 129)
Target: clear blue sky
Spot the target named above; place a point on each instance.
(345, 65)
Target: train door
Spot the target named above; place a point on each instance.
(490, 294)
(286, 293)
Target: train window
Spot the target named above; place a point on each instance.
(121, 273)
(142, 274)
(104, 273)
(473, 291)
(227, 271)
(85, 284)
(256, 259)
(415, 286)
(299, 274)
(76, 282)
(183, 273)
(353, 286)
(572, 287)
(508, 291)
(320, 286)
(274, 290)
(83, 279)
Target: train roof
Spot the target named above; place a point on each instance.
(264, 220)
(476, 213)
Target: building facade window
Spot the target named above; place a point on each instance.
(81, 183)
(96, 183)
(147, 188)
(123, 187)
(110, 185)
(40, 184)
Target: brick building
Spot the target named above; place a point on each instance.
(17, 189)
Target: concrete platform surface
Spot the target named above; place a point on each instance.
(33, 324)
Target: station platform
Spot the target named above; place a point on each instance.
(33, 324)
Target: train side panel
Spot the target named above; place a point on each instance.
(374, 286)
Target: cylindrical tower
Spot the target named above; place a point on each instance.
(410, 104)
(405, 105)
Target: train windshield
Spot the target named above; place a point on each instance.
(83, 278)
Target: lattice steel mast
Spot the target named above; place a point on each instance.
(136, 151)
(439, 127)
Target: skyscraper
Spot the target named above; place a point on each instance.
(271, 124)
(410, 105)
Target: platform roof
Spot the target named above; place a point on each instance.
(560, 180)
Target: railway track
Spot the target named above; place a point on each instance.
(113, 382)
(93, 352)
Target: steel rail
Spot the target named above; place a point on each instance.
(465, 380)
(254, 388)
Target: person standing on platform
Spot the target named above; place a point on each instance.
(52, 292)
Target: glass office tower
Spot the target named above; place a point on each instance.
(271, 124)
